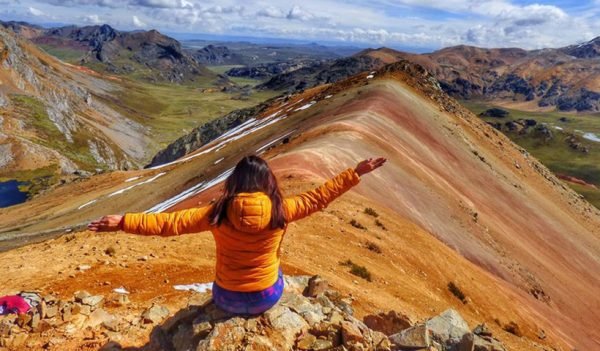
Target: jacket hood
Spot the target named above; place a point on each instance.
(250, 212)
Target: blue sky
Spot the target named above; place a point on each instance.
(420, 24)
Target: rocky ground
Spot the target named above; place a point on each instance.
(309, 316)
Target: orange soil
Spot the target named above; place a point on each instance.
(410, 275)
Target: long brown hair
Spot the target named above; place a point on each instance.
(251, 174)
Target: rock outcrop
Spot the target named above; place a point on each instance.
(217, 55)
(204, 134)
(153, 55)
(323, 321)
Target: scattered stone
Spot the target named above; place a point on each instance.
(50, 299)
(80, 295)
(18, 340)
(482, 330)
(23, 320)
(350, 333)
(288, 323)
(83, 267)
(541, 334)
(85, 310)
(41, 309)
(112, 324)
(336, 318)
(35, 320)
(513, 328)
(76, 309)
(306, 342)
(155, 314)
(450, 330)
(388, 323)
(413, 337)
(42, 326)
(110, 251)
(5, 328)
(316, 286)
(122, 300)
(487, 344)
(67, 312)
(225, 336)
(202, 329)
(93, 301)
(322, 344)
(98, 317)
(51, 311)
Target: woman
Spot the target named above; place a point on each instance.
(248, 223)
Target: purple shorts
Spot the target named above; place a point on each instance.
(248, 302)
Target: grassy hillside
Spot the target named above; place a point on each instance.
(556, 153)
(173, 110)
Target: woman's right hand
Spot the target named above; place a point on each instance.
(110, 223)
(369, 165)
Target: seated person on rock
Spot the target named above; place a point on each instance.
(248, 223)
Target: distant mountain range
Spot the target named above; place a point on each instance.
(147, 54)
(565, 78)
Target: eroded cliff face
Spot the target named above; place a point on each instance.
(53, 120)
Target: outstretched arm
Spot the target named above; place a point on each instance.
(302, 205)
(192, 220)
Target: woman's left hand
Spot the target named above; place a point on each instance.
(369, 165)
(110, 223)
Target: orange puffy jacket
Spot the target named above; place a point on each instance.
(247, 250)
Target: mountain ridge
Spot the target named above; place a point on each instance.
(120, 52)
(547, 78)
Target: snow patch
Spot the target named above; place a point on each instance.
(370, 76)
(197, 287)
(121, 290)
(248, 127)
(132, 179)
(189, 192)
(264, 147)
(328, 96)
(86, 204)
(138, 184)
(304, 107)
(273, 114)
(219, 160)
(558, 128)
(592, 137)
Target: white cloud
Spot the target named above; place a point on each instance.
(397, 23)
(296, 12)
(137, 22)
(91, 19)
(271, 11)
(163, 3)
(35, 12)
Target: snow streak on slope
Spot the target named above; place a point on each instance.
(189, 192)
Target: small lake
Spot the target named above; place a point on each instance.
(10, 193)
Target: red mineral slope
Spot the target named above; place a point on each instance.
(466, 184)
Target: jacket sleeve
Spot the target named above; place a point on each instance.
(300, 206)
(192, 220)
